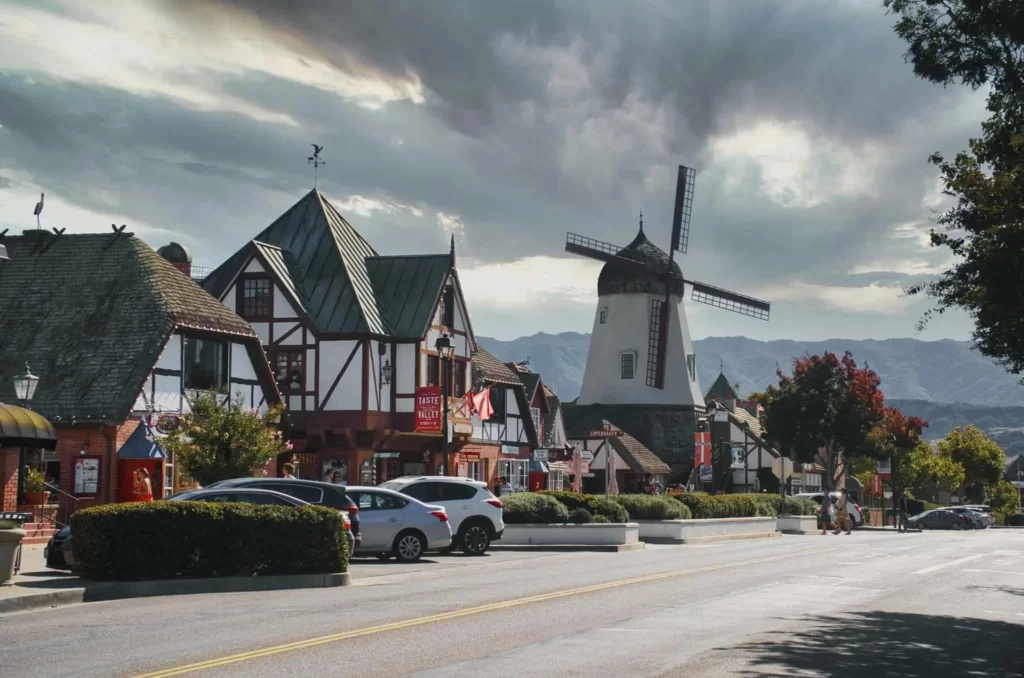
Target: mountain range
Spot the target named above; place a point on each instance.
(946, 382)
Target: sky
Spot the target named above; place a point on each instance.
(505, 125)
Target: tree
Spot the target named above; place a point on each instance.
(980, 43)
(1003, 498)
(825, 411)
(946, 473)
(216, 443)
(982, 459)
(898, 438)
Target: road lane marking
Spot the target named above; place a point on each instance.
(455, 614)
(1019, 574)
(952, 563)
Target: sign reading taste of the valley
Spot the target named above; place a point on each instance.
(428, 409)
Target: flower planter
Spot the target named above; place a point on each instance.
(37, 498)
(798, 524)
(591, 534)
(697, 531)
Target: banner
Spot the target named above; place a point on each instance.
(701, 449)
(428, 409)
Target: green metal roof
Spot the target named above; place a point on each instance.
(721, 389)
(337, 279)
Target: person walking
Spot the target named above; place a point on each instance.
(825, 512)
(288, 469)
(901, 508)
(143, 489)
(843, 512)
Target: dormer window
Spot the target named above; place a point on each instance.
(602, 315)
(627, 364)
(255, 298)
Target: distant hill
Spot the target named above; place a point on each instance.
(1005, 425)
(935, 371)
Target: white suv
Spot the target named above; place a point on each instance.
(474, 513)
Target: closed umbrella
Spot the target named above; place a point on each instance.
(577, 471)
(613, 484)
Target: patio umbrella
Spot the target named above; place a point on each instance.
(577, 471)
(613, 484)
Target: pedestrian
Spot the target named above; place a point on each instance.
(902, 509)
(336, 478)
(143, 489)
(843, 512)
(825, 512)
(497, 486)
(288, 468)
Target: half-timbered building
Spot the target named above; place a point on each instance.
(351, 335)
(119, 338)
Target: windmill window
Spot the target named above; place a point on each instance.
(691, 366)
(256, 299)
(627, 364)
(603, 315)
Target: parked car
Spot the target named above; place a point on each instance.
(310, 491)
(474, 513)
(60, 556)
(397, 525)
(939, 519)
(986, 513)
(977, 519)
(856, 517)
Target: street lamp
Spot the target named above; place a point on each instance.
(25, 385)
(444, 352)
(385, 368)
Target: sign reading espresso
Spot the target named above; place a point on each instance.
(428, 409)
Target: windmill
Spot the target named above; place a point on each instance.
(650, 270)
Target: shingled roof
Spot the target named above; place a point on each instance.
(91, 313)
(336, 279)
(491, 370)
(665, 430)
(638, 457)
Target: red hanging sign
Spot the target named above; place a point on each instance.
(701, 449)
(428, 409)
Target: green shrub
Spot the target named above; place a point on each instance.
(165, 539)
(601, 519)
(1014, 520)
(580, 516)
(865, 512)
(34, 480)
(652, 507)
(705, 506)
(596, 504)
(521, 508)
(916, 506)
(792, 506)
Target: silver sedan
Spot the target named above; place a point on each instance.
(393, 524)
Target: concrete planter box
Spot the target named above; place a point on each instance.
(698, 531)
(592, 534)
(798, 524)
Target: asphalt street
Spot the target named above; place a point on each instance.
(913, 605)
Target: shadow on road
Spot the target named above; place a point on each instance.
(891, 644)
(1001, 589)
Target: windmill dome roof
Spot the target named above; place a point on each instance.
(617, 278)
(175, 253)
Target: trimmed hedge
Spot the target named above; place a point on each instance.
(705, 506)
(652, 507)
(916, 506)
(596, 504)
(520, 508)
(1012, 519)
(792, 506)
(166, 539)
(580, 516)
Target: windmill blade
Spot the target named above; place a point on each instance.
(603, 251)
(657, 342)
(684, 206)
(730, 301)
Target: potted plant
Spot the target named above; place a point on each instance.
(34, 488)
(11, 535)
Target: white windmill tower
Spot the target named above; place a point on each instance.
(640, 348)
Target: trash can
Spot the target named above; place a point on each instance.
(10, 543)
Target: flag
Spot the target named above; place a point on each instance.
(482, 404)
(760, 410)
(469, 402)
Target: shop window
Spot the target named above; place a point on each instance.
(556, 480)
(473, 471)
(627, 364)
(339, 466)
(535, 415)
(290, 371)
(433, 370)
(459, 389)
(206, 364)
(516, 473)
(257, 296)
(603, 315)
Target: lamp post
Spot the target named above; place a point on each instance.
(25, 385)
(444, 352)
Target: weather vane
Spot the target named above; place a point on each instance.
(315, 161)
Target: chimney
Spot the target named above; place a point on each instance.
(179, 257)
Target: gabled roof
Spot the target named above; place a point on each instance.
(665, 430)
(721, 390)
(491, 370)
(141, 444)
(337, 279)
(91, 315)
(639, 458)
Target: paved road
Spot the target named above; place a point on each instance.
(915, 605)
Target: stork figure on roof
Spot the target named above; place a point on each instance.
(39, 209)
(640, 348)
(315, 161)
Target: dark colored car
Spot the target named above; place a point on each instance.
(940, 519)
(976, 517)
(59, 554)
(309, 491)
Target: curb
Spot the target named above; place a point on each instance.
(568, 548)
(711, 539)
(101, 591)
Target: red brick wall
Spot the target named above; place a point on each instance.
(72, 440)
(8, 479)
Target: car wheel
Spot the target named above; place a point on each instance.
(409, 547)
(475, 540)
(956, 526)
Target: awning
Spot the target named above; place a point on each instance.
(20, 427)
(141, 445)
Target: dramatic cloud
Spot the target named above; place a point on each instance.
(504, 125)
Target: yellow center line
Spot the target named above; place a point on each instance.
(445, 616)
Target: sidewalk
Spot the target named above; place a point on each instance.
(35, 586)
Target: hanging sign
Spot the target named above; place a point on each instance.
(166, 424)
(87, 476)
(587, 455)
(706, 474)
(428, 409)
(540, 455)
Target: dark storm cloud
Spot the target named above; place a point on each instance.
(502, 140)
